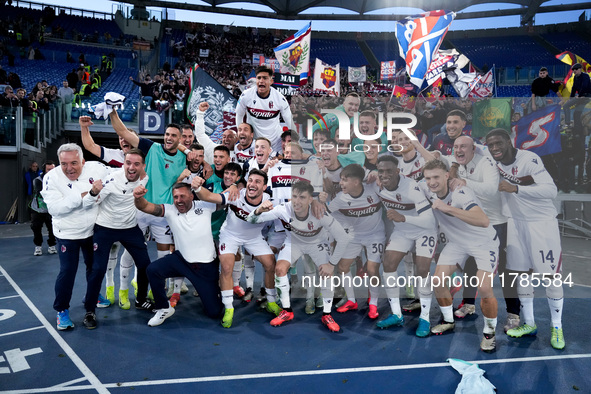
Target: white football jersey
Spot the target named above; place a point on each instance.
(536, 189)
(361, 215)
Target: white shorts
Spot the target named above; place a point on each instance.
(374, 249)
(255, 246)
(319, 254)
(486, 256)
(441, 242)
(158, 226)
(285, 253)
(534, 245)
(276, 239)
(424, 244)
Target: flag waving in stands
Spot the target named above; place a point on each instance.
(327, 77)
(419, 38)
(294, 54)
(570, 59)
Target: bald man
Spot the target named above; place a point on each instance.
(477, 170)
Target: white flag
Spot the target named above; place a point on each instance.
(327, 77)
(293, 54)
(357, 74)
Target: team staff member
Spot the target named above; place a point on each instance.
(262, 105)
(68, 192)
(116, 221)
(236, 232)
(189, 220)
(533, 238)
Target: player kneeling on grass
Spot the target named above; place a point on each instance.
(470, 234)
(310, 236)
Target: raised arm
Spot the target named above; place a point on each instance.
(144, 205)
(89, 144)
(205, 195)
(122, 131)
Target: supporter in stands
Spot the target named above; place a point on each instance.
(66, 95)
(147, 89)
(540, 88)
(9, 99)
(580, 93)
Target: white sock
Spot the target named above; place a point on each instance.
(125, 267)
(348, 286)
(425, 296)
(309, 289)
(228, 299)
(490, 324)
(162, 253)
(249, 271)
(556, 305)
(271, 294)
(327, 296)
(526, 297)
(374, 293)
(109, 276)
(282, 284)
(178, 282)
(392, 292)
(448, 313)
(237, 272)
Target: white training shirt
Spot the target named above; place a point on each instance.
(192, 231)
(73, 217)
(361, 216)
(536, 189)
(263, 114)
(116, 203)
(456, 230)
(408, 200)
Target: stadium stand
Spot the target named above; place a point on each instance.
(345, 52)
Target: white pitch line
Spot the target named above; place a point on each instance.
(71, 382)
(337, 371)
(296, 373)
(94, 381)
(7, 297)
(578, 284)
(23, 330)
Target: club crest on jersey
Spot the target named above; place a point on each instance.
(369, 199)
(471, 171)
(70, 185)
(166, 165)
(124, 191)
(310, 226)
(198, 211)
(270, 105)
(302, 170)
(417, 164)
(398, 197)
(91, 180)
(535, 161)
(223, 247)
(514, 171)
